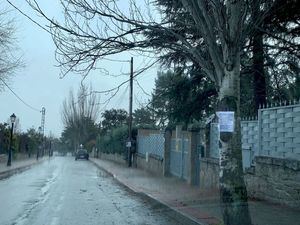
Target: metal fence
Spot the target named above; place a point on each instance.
(151, 143)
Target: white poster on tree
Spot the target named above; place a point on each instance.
(226, 121)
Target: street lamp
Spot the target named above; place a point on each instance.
(12, 120)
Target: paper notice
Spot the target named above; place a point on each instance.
(226, 121)
(128, 144)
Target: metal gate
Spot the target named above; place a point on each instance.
(179, 157)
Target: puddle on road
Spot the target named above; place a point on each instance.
(83, 190)
(102, 174)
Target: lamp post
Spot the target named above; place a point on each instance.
(12, 120)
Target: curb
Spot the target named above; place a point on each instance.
(171, 212)
(8, 173)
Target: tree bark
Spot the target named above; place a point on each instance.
(233, 190)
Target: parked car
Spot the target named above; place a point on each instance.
(81, 154)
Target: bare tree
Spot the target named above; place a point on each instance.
(95, 29)
(8, 60)
(79, 113)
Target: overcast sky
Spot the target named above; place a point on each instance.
(39, 85)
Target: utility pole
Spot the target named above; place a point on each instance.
(129, 143)
(43, 129)
(39, 146)
(50, 148)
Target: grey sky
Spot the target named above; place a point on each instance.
(38, 83)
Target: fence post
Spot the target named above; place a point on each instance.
(193, 157)
(259, 124)
(167, 152)
(202, 146)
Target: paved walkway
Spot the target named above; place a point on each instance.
(17, 166)
(202, 206)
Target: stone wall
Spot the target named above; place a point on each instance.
(273, 179)
(16, 156)
(112, 157)
(276, 180)
(3, 158)
(151, 163)
(209, 173)
(21, 156)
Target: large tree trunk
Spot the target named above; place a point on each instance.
(232, 186)
(259, 75)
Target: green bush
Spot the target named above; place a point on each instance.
(114, 141)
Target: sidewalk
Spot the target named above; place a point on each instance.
(17, 167)
(198, 205)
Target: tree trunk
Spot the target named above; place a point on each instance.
(259, 75)
(233, 190)
(258, 71)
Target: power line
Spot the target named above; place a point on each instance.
(28, 17)
(116, 89)
(116, 60)
(143, 90)
(138, 102)
(127, 81)
(121, 98)
(31, 107)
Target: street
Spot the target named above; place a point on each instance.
(63, 191)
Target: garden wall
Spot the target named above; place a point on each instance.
(112, 157)
(272, 179)
(150, 163)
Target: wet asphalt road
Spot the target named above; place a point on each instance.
(63, 191)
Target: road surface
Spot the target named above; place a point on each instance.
(63, 191)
